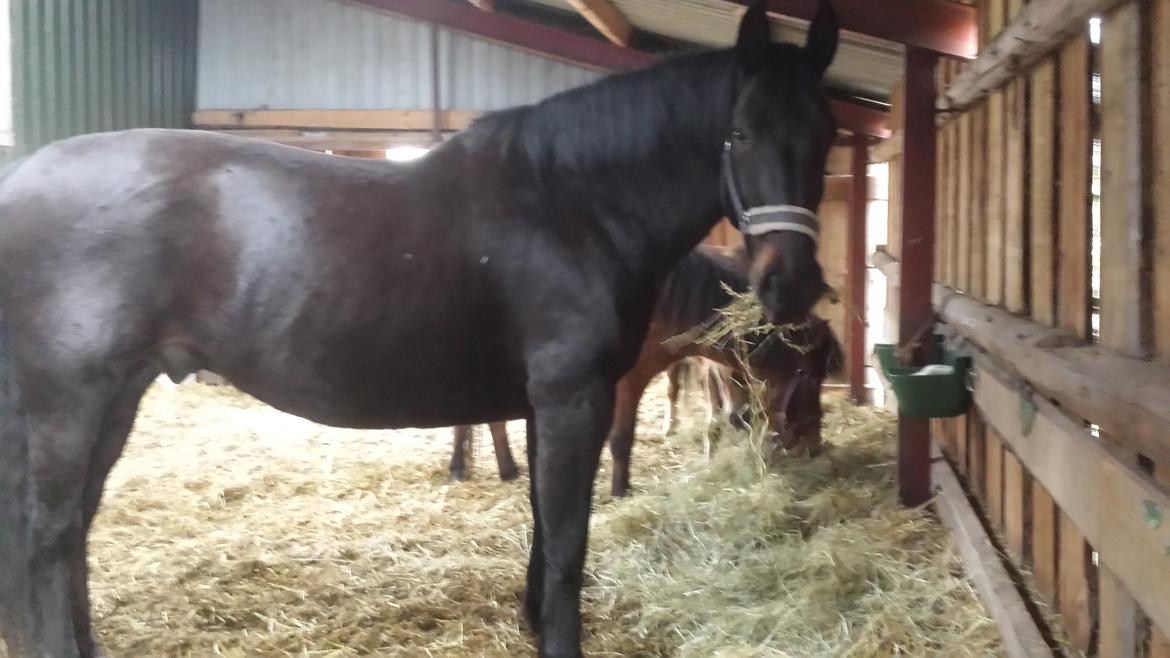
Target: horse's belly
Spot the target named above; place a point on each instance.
(402, 388)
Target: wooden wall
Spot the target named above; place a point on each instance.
(1013, 230)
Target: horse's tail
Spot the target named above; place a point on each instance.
(13, 510)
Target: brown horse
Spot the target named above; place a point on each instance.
(509, 273)
(692, 294)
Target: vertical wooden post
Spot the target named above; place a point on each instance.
(855, 271)
(917, 254)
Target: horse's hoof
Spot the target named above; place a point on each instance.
(456, 476)
(620, 492)
(507, 475)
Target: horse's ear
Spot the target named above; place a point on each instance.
(821, 45)
(755, 35)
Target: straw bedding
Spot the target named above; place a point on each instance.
(232, 529)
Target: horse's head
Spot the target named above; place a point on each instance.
(793, 380)
(774, 158)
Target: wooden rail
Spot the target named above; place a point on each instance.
(1038, 30)
(1127, 397)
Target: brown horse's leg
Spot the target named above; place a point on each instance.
(111, 440)
(504, 461)
(621, 432)
(462, 436)
(674, 376)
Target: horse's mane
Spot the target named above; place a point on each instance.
(620, 118)
(694, 290)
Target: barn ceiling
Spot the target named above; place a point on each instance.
(865, 67)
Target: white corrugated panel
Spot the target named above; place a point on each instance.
(324, 54)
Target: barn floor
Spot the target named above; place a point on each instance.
(232, 529)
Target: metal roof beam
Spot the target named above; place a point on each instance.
(602, 15)
(486, 5)
(941, 26)
(577, 49)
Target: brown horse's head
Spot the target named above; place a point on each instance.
(793, 379)
(774, 159)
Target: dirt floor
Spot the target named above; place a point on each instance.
(231, 529)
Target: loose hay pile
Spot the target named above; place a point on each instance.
(231, 529)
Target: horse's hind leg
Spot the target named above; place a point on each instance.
(461, 434)
(504, 461)
(675, 374)
(63, 415)
(115, 428)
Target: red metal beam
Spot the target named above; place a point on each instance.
(577, 49)
(486, 5)
(855, 271)
(915, 310)
(942, 26)
(861, 119)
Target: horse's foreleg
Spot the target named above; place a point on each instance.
(504, 461)
(571, 425)
(674, 375)
(621, 432)
(462, 438)
(115, 429)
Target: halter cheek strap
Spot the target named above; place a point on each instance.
(759, 220)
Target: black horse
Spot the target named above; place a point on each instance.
(510, 273)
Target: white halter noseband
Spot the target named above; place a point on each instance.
(759, 220)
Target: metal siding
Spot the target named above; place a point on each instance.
(84, 66)
(326, 54)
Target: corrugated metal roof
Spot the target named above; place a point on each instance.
(324, 54)
(867, 67)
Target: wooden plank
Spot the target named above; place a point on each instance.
(1040, 29)
(1015, 240)
(1042, 192)
(341, 140)
(1015, 508)
(1160, 637)
(1117, 616)
(981, 562)
(1122, 195)
(966, 157)
(917, 249)
(333, 119)
(1044, 541)
(1160, 163)
(887, 149)
(978, 283)
(961, 456)
(993, 465)
(1076, 615)
(976, 445)
(993, 212)
(606, 18)
(1122, 514)
(1075, 162)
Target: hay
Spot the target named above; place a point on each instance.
(231, 529)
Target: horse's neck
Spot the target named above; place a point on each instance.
(640, 153)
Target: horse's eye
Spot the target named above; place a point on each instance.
(800, 371)
(739, 135)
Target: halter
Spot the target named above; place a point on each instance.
(759, 220)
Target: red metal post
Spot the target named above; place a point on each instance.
(917, 242)
(855, 271)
